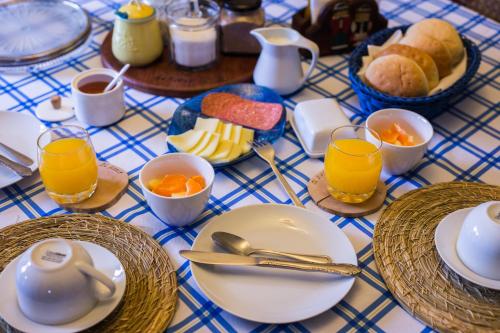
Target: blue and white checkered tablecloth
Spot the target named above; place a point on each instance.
(465, 147)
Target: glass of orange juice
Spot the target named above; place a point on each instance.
(67, 162)
(352, 164)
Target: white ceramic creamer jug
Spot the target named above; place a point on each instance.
(279, 66)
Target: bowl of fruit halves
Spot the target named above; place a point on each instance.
(221, 124)
(420, 67)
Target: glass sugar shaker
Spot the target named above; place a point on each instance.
(238, 18)
(194, 33)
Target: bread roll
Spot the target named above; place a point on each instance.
(420, 57)
(437, 50)
(444, 32)
(397, 76)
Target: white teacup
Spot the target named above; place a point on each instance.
(478, 244)
(98, 109)
(56, 282)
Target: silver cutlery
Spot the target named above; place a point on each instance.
(19, 169)
(241, 246)
(214, 258)
(266, 151)
(15, 155)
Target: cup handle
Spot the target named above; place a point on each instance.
(314, 49)
(99, 276)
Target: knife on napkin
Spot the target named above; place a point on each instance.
(16, 155)
(214, 258)
(19, 169)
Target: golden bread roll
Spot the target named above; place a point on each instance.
(397, 76)
(420, 57)
(445, 33)
(436, 49)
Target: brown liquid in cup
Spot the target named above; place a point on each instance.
(96, 87)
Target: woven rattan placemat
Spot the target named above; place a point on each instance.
(151, 293)
(407, 259)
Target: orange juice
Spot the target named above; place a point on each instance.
(352, 169)
(68, 168)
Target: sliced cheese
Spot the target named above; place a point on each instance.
(187, 140)
(226, 131)
(234, 154)
(207, 124)
(245, 139)
(222, 150)
(220, 126)
(202, 143)
(211, 146)
(236, 134)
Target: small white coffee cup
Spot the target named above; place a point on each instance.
(56, 282)
(100, 109)
(478, 244)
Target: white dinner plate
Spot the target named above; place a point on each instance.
(446, 236)
(271, 295)
(18, 131)
(104, 261)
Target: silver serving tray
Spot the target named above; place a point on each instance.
(36, 31)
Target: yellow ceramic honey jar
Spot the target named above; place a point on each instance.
(137, 38)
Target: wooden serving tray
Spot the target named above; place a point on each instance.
(163, 78)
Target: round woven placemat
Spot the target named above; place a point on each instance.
(407, 259)
(151, 293)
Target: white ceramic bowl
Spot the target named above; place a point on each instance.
(478, 244)
(177, 211)
(400, 159)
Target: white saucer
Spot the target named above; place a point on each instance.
(19, 131)
(103, 259)
(46, 112)
(270, 295)
(446, 236)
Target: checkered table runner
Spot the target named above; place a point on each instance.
(465, 147)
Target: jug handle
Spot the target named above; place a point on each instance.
(99, 276)
(312, 47)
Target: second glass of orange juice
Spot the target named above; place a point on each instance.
(68, 165)
(352, 164)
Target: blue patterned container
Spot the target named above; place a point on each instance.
(372, 100)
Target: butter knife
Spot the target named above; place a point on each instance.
(17, 156)
(20, 169)
(214, 258)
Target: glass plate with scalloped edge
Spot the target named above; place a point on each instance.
(40, 33)
(185, 115)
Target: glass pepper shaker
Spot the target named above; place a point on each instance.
(194, 33)
(238, 18)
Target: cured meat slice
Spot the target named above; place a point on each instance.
(241, 111)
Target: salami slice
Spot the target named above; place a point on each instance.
(241, 111)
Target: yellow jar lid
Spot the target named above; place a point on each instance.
(135, 10)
